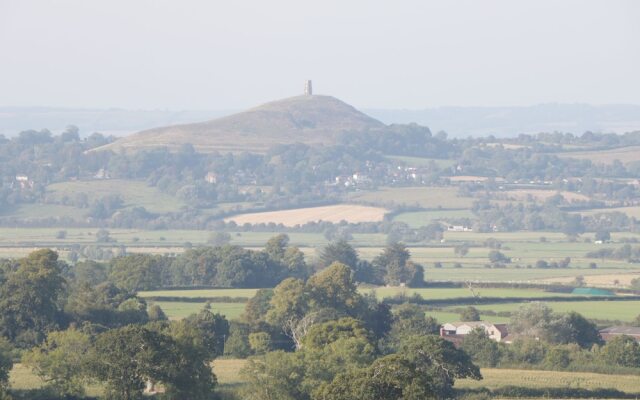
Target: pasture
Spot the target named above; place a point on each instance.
(300, 216)
(133, 193)
(178, 310)
(422, 161)
(623, 154)
(495, 378)
(445, 197)
(597, 309)
(416, 219)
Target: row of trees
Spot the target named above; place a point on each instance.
(234, 266)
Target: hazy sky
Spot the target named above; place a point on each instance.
(187, 54)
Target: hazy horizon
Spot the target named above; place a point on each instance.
(196, 55)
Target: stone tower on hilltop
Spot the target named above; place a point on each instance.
(308, 89)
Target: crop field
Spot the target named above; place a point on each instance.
(417, 219)
(597, 309)
(624, 154)
(495, 378)
(300, 216)
(134, 193)
(425, 197)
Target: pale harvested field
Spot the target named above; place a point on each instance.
(608, 280)
(624, 154)
(542, 195)
(343, 212)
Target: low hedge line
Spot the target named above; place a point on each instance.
(518, 392)
(498, 300)
(220, 299)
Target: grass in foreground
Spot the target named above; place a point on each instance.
(495, 378)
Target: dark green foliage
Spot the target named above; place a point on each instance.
(30, 298)
(6, 363)
(623, 351)
(470, 313)
(425, 367)
(340, 251)
(399, 269)
(483, 350)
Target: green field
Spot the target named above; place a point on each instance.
(450, 293)
(425, 197)
(495, 378)
(422, 162)
(597, 309)
(179, 310)
(134, 193)
(417, 219)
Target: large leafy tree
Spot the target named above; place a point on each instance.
(339, 251)
(61, 361)
(127, 358)
(30, 298)
(426, 367)
(6, 363)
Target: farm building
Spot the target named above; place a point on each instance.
(455, 331)
(609, 333)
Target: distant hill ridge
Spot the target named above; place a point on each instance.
(309, 119)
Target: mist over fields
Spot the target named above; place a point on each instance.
(456, 121)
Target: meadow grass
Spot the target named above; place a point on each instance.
(597, 309)
(179, 310)
(445, 197)
(417, 219)
(134, 193)
(422, 161)
(496, 378)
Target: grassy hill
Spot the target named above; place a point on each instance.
(301, 119)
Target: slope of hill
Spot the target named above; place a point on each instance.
(301, 119)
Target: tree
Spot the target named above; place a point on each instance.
(622, 350)
(603, 236)
(461, 250)
(127, 358)
(260, 342)
(425, 367)
(341, 252)
(333, 288)
(275, 376)
(470, 313)
(495, 256)
(395, 260)
(573, 328)
(6, 363)
(277, 246)
(408, 320)
(558, 357)
(30, 298)
(204, 331)
(482, 349)
(217, 239)
(156, 313)
(61, 361)
(531, 320)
